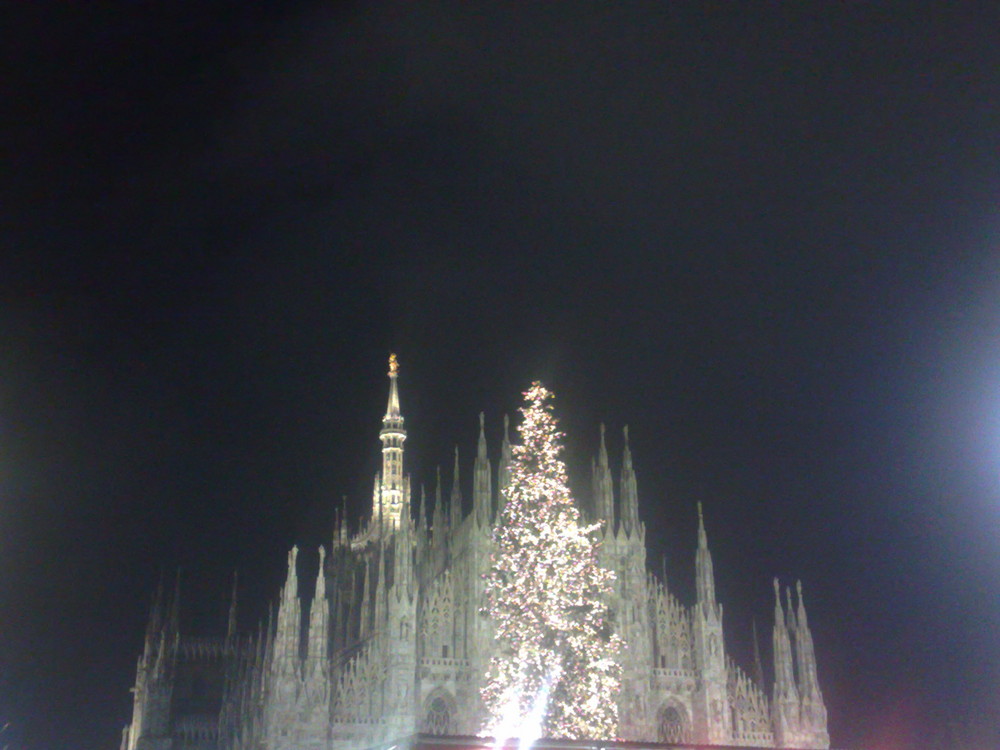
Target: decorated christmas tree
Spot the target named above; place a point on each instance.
(555, 665)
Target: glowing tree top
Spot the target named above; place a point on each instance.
(555, 664)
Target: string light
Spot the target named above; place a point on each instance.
(556, 649)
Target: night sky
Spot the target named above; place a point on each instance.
(766, 237)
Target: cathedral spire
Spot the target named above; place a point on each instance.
(803, 621)
(705, 576)
(154, 679)
(161, 634)
(758, 666)
(173, 619)
(482, 492)
(438, 521)
(155, 623)
(455, 505)
(341, 528)
(790, 621)
(786, 697)
(287, 636)
(321, 575)
(290, 590)
(422, 520)
(604, 500)
(629, 492)
(389, 489)
(318, 644)
(231, 622)
(503, 469)
(805, 655)
(709, 641)
(813, 711)
(779, 615)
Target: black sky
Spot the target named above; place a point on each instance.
(764, 236)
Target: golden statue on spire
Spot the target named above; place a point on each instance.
(393, 365)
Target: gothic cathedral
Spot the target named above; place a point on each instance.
(394, 643)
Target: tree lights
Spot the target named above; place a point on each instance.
(555, 643)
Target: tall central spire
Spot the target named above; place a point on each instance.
(390, 492)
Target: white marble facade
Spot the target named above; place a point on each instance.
(393, 641)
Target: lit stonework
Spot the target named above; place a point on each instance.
(392, 490)
(394, 643)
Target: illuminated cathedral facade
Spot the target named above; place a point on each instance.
(393, 642)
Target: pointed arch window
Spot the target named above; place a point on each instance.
(670, 725)
(437, 719)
